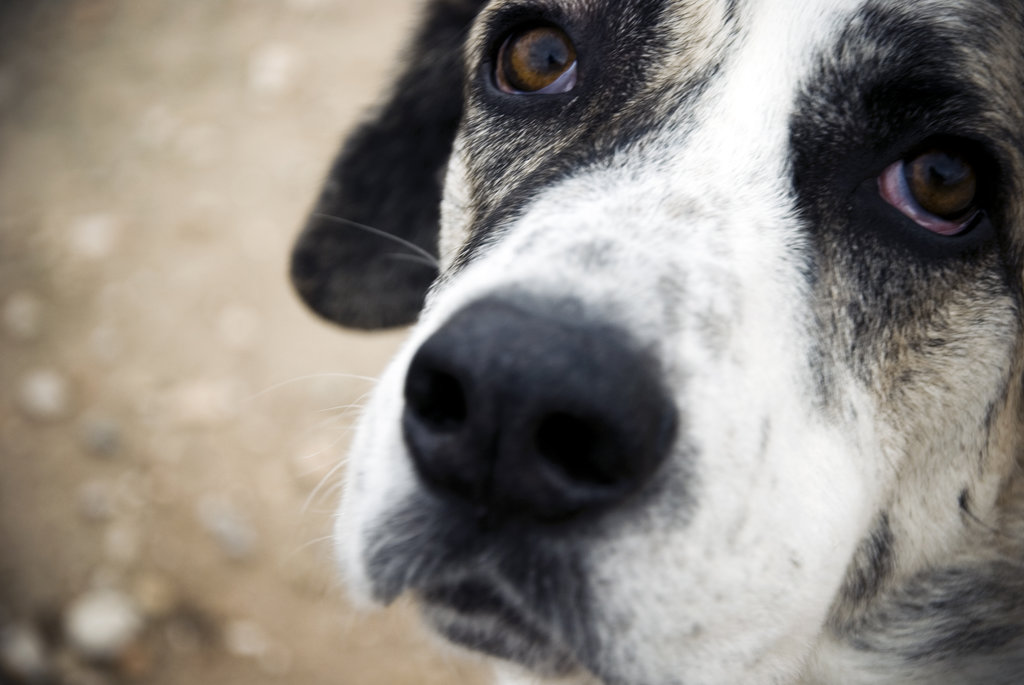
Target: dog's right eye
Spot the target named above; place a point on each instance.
(936, 188)
(538, 60)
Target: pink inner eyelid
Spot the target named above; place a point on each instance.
(563, 84)
(892, 186)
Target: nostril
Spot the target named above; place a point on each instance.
(579, 448)
(437, 398)
(437, 426)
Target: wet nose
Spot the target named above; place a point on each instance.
(531, 410)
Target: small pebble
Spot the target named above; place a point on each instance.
(202, 403)
(245, 638)
(122, 544)
(96, 500)
(94, 236)
(101, 437)
(155, 595)
(102, 624)
(23, 653)
(22, 316)
(272, 69)
(44, 395)
(228, 526)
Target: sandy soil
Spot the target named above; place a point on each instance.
(170, 415)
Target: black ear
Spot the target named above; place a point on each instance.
(360, 259)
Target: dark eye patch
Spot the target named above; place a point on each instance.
(891, 87)
(554, 134)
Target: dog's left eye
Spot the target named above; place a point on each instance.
(538, 60)
(937, 188)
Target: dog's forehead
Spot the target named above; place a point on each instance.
(647, 68)
(694, 33)
(690, 27)
(648, 63)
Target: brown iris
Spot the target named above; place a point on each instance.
(943, 183)
(534, 59)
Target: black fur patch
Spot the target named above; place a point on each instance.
(891, 82)
(949, 613)
(872, 565)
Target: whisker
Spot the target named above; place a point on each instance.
(342, 410)
(415, 259)
(278, 386)
(309, 543)
(333, 471)
(323, 481)
(381, 234)
(343, 413)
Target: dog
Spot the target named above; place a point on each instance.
(717, 372)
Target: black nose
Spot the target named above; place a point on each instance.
(527, 410)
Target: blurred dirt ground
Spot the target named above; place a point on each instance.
(169, 413)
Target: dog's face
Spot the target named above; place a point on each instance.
(721, 377)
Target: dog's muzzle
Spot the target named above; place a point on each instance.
(527, 423)
(531, 413)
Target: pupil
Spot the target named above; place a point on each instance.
(944, 170)
(548, 55)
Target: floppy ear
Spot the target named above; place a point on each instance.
(360, 259)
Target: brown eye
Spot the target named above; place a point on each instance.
(937, 189)
(943, 183)
(538, 60)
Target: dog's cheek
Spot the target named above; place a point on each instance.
(709, 620)
(378, 477)
(747, 578)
